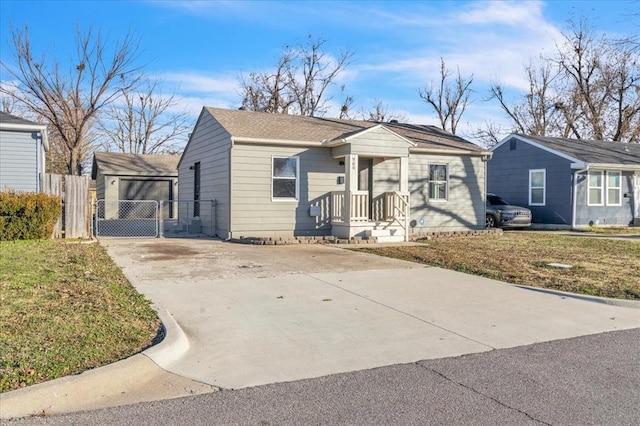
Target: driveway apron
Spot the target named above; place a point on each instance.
(255, 315)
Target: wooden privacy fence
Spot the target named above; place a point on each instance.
(76, 204)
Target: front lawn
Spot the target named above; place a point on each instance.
(65, 308)
(600, 266)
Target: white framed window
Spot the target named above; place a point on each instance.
(596, 189)
(537, 187)
(438, 182)
(284, 178)
(614, 188)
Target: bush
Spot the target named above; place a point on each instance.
(28, 215)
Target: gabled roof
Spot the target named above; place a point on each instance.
(241, 124)
(588, 152)
(6, 118)
(117, 163)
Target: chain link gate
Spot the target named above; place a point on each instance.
(151, 219)
(126, 218)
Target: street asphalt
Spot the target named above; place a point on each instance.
(590, 380)
(243, 316)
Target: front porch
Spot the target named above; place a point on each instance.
(385, 217)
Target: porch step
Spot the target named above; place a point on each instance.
(384, 236)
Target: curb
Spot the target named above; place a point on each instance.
(594, 299)
(174, 345)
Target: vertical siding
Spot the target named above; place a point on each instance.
(210, 145)
(255, 214)
(605, 215)
(465, 207)
(20, 160)
(508, 177)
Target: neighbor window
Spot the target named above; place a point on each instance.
(613, 188)
(438, 181)
(537, 184)
(595, 189)
(284, 178)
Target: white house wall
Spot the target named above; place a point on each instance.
(255, 214)
(210, 145)
(465, 206)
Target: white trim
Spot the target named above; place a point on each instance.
(437, 200)
(619, 173)
(544, 187)
(261, 141)
(297, 179)
(602, 195)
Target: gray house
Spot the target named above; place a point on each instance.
(23, 145)
(136, 177)
(568, 182)
(276, 175)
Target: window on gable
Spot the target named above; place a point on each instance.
(614, 188)
(284, 178)
(537, 187)
(438, 182)
(595, 189)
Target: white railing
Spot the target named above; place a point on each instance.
(359, 207)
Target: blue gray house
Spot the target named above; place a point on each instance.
(568, 182)
(23, 145)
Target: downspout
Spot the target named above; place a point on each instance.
(575, 196)
(230, 200)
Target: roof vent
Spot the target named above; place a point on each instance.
(393, 121)
(242, 108)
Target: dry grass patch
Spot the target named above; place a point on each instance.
(600, 266)
(65, 308)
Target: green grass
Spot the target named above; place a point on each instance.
(601, 266)
(65, 308)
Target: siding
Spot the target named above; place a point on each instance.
(508, 177)
(256, 215)
(465, 207)
(605, 215)
(21, 160)
(375, 142)
(210, 145)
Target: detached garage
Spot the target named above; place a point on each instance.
(136, 177)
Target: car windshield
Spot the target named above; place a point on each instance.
(494, 200)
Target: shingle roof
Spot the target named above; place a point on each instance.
(593, 152)
(261, 125)
(134, 164)
(12, 119)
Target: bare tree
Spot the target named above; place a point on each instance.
(448, 99)
(299, 85)
(589, 89)
(70, 96)
(142, 121)
(380, 113)
(536, 114)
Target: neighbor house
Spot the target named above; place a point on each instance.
(277, 175)
(136, 177)
(23, 145)
(568, 182)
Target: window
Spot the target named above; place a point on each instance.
(537, 187)
(284, 178)
(438, 182)
(595, 189)
(614, 188)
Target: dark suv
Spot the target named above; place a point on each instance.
(504, 215)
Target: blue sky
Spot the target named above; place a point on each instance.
(200, 48)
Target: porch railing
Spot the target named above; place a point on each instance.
(359, 207)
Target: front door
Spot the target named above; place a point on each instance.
(365, 179)
(636, 196)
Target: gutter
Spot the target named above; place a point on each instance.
(486, 154)
(241, 139)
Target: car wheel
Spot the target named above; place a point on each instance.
(491, 221)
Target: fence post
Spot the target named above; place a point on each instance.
(160, 219)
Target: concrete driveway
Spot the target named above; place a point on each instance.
(255, 315)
